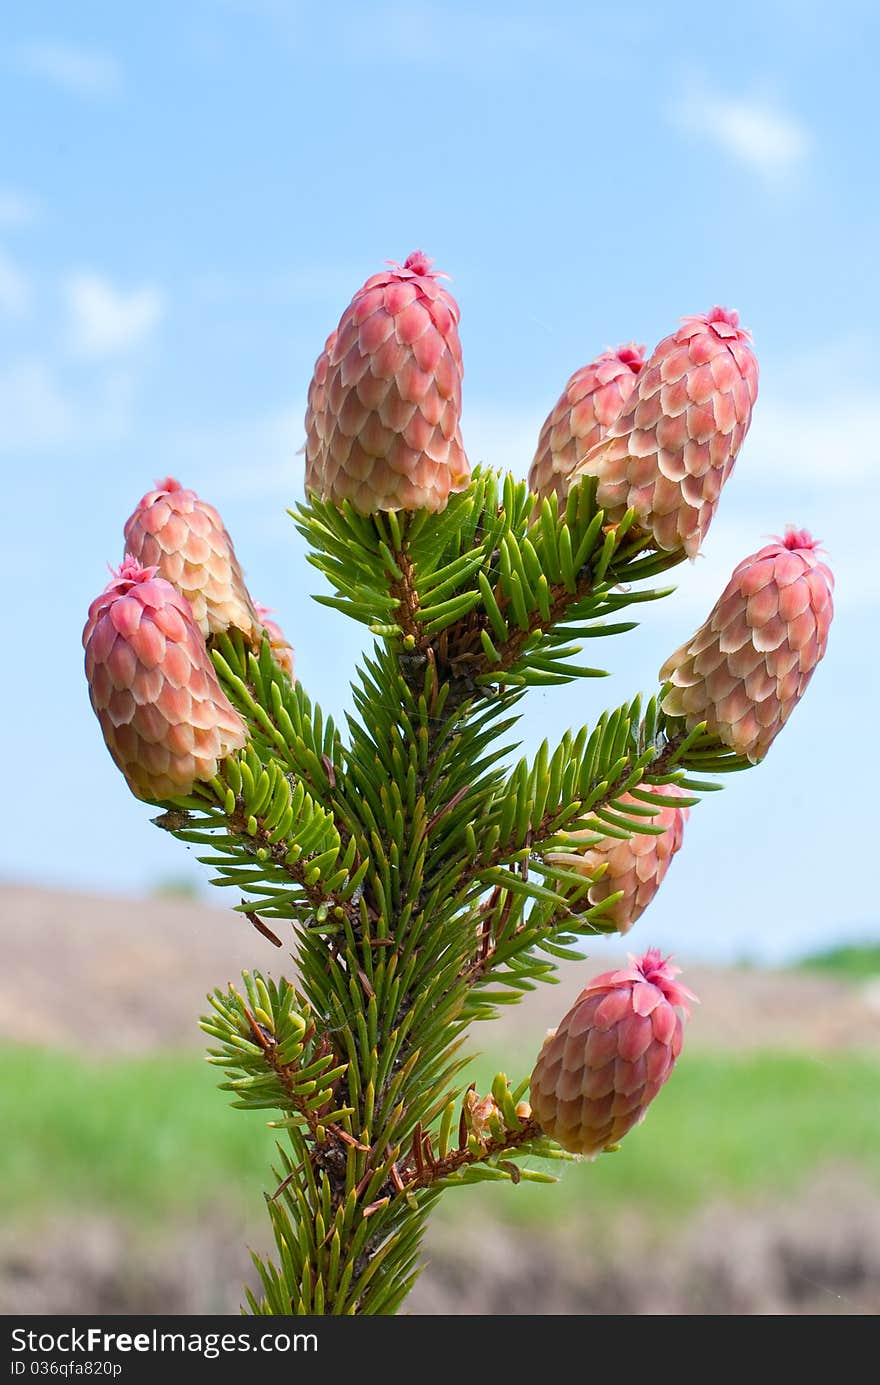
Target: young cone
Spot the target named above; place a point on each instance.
(483, 1116)
(676, 441)
(278, 642)
(636, 865)
(746, 668)
(382, 423)
(184, 538)
(591, 401)
(599, 1071)
(166, 720)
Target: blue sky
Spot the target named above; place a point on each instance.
(189, 194)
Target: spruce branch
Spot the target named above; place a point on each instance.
(492, 1132)
(428, 875)
(488, 594)
(274, 1054)
(400, 962)
(269, 839)
(583, 783)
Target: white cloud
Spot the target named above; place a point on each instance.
(317, 284)
(105, 320)
(455, 37)
(14, 287)
(40, 413)
(810, 439)
(16, 209)
(34, 413)
(252, 456)
(75, 68)
(758, 134)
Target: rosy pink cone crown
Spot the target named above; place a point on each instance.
(591, 401)
(636, 865)
(384, 404)
(676, 440)
(278, 642)
(182, 536)
(747, 667)
(166, 720)
(599, 1071)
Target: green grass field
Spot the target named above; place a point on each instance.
(850, 962)
(152, 1138)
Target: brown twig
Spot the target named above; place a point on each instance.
(346, 1139)
(447, 808)
(365, 983)
(408, 603)
(418, 1157)
(422, 1175)
(261, 927)
(375, 1207)
(285, 1183)
(362, 1185)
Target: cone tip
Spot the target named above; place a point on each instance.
(130, 571)
(724, 321)
(796, 539)
(418, 262)
(417, 265)
(659, 971)
(631, 353)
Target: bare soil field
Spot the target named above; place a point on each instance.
(140, 970)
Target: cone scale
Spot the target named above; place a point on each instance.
(636, 865)
(590, 403)
(747, 667)
(165, 719)
(599, 1071)
(676, 442)
(184, 538)
(384, 404)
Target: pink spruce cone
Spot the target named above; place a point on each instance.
(166, 720)
(184, 538)
(278, 642)
(382, 423)
(591, 401)
(676, 441)
(599, 1071)
(746, 668)
(637, 865)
